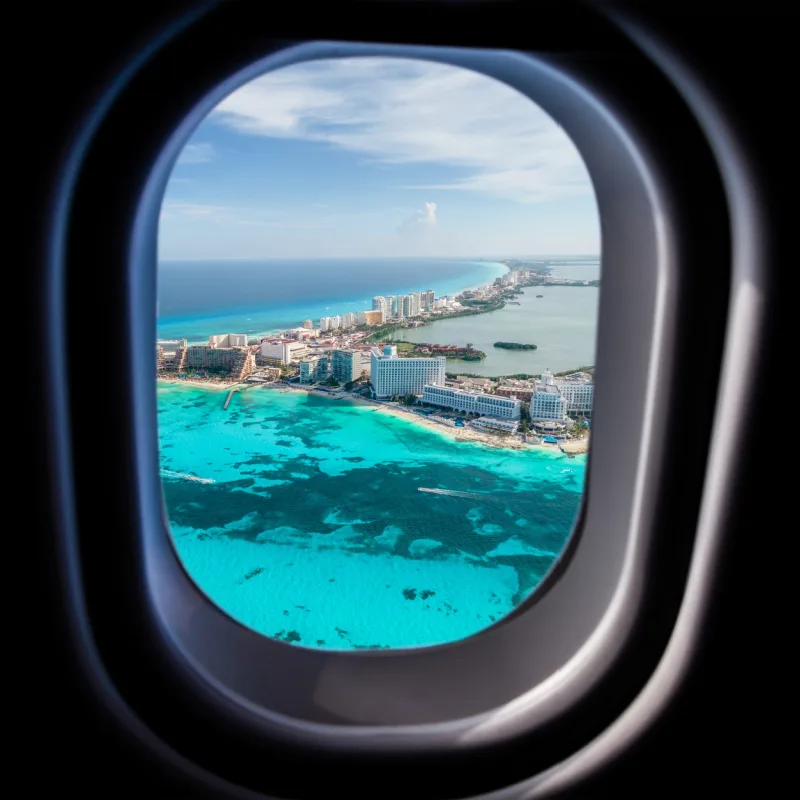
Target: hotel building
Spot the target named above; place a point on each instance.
(390, 375)
(466, 402)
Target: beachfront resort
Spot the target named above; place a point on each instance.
(349, 356)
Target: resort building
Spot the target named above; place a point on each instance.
(390, 375)
(463, 382)
(381, 303)
(170, 354)
(428, 299)
(238, 361)
(348, 320)
(472, 402)
(314, 368)
(513, 391)
(578, 394)
(370, 317)
(347, 365)
(299, 333)
(547, 402)
(307, 323)
(228, 340)
(330, 323)
(495, 424)
(283, 350)
(549, 427)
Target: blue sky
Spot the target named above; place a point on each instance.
(377, 157)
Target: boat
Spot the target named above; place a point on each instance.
(540, 295)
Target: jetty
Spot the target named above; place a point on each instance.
(228, 399)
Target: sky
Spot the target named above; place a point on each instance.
(377, 157)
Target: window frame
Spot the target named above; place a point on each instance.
(185, 630)
(631, 336)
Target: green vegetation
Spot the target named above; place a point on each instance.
(332, 382)
(515, 346)
(409, 400)
(590, 370)
(525, 417)
(520, 376)
(578, 429)
(379, 334)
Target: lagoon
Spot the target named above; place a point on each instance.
(562, 324)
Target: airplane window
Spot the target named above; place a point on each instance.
(377, 302)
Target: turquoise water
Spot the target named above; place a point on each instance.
(314, 530)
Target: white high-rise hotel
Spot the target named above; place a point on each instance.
(391, 375)
(330, 323)
(556, 399)
(578, 394)
(381, 303)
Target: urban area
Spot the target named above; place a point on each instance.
(353, 356)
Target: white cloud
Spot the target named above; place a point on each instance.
(409, 111)
(419, 234)
(198, 153)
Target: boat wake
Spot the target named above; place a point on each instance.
(454, 493)
(170, 474)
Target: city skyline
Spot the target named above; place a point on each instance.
(375, 157)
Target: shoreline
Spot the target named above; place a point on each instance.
(442, 426)
(448, 428)
(218, 385)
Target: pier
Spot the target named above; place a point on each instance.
(228, 399)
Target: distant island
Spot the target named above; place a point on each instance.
(514, 346)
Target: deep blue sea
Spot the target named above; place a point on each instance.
(301, 515)
(199, 298)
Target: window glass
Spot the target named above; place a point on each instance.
(378, 286)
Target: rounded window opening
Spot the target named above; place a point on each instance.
(377, 301)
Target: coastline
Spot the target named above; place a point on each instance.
(218, 385)
(441, 426)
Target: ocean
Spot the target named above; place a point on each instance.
(315, 531)
(301, 515)
(200, 298)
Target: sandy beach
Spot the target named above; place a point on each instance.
(441, 425)
(219, 385)
(433, 422)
